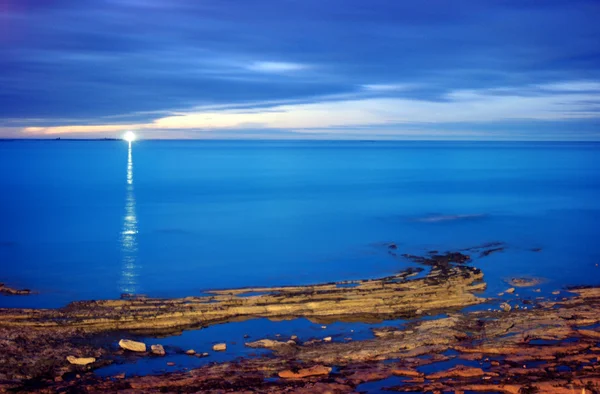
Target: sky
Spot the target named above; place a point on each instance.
(306, 69)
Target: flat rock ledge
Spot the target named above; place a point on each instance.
(445, 286)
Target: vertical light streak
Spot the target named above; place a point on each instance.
(129, 245)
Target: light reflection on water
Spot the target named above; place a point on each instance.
(129, 246)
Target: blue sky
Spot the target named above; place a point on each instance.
(332, 69)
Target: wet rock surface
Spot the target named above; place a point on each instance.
(449, 284)
(6, 290)
(525, 282)
(552, 347)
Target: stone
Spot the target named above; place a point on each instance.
(80, 360)
(133, 346)
(556, 292)
(410, 373)
(316, 370)
(294, 337)
(10, 291)
(505, 307)
(170, 363)
(190, 352)
(158, 350)
(220, 347)
(269, 344)
(460, 371)
(327, 339)
(510, 291)
(525, 282)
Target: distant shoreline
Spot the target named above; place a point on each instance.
(311, 140)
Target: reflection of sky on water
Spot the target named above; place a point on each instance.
(129, 247)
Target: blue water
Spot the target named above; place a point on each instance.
(83, 220)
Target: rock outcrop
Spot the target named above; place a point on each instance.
(447, 285)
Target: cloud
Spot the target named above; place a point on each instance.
(460, 106)
(572, 86)
(276, 67)
(389, 87)
(155, 65)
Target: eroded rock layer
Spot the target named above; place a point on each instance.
(394, 296)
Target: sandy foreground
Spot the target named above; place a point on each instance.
(540, 345)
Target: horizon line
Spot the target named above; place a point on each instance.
(296, 139)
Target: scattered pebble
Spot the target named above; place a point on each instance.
(190, 352)
(510, 291)
(170, 363)
(159, 350)
(80, 360)
(220, 347)
(133, 346)
(293, 337)
(323, 327)
(505, 307)
(556, 292)
(327, 339)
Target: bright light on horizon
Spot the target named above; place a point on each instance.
(129, 136)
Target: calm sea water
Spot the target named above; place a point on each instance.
(91, 219)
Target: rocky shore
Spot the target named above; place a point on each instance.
(551, 346)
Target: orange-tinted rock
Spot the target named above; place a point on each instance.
(316, 370)
(411, 373)
(460, 371)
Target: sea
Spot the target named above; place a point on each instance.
(83, 220)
